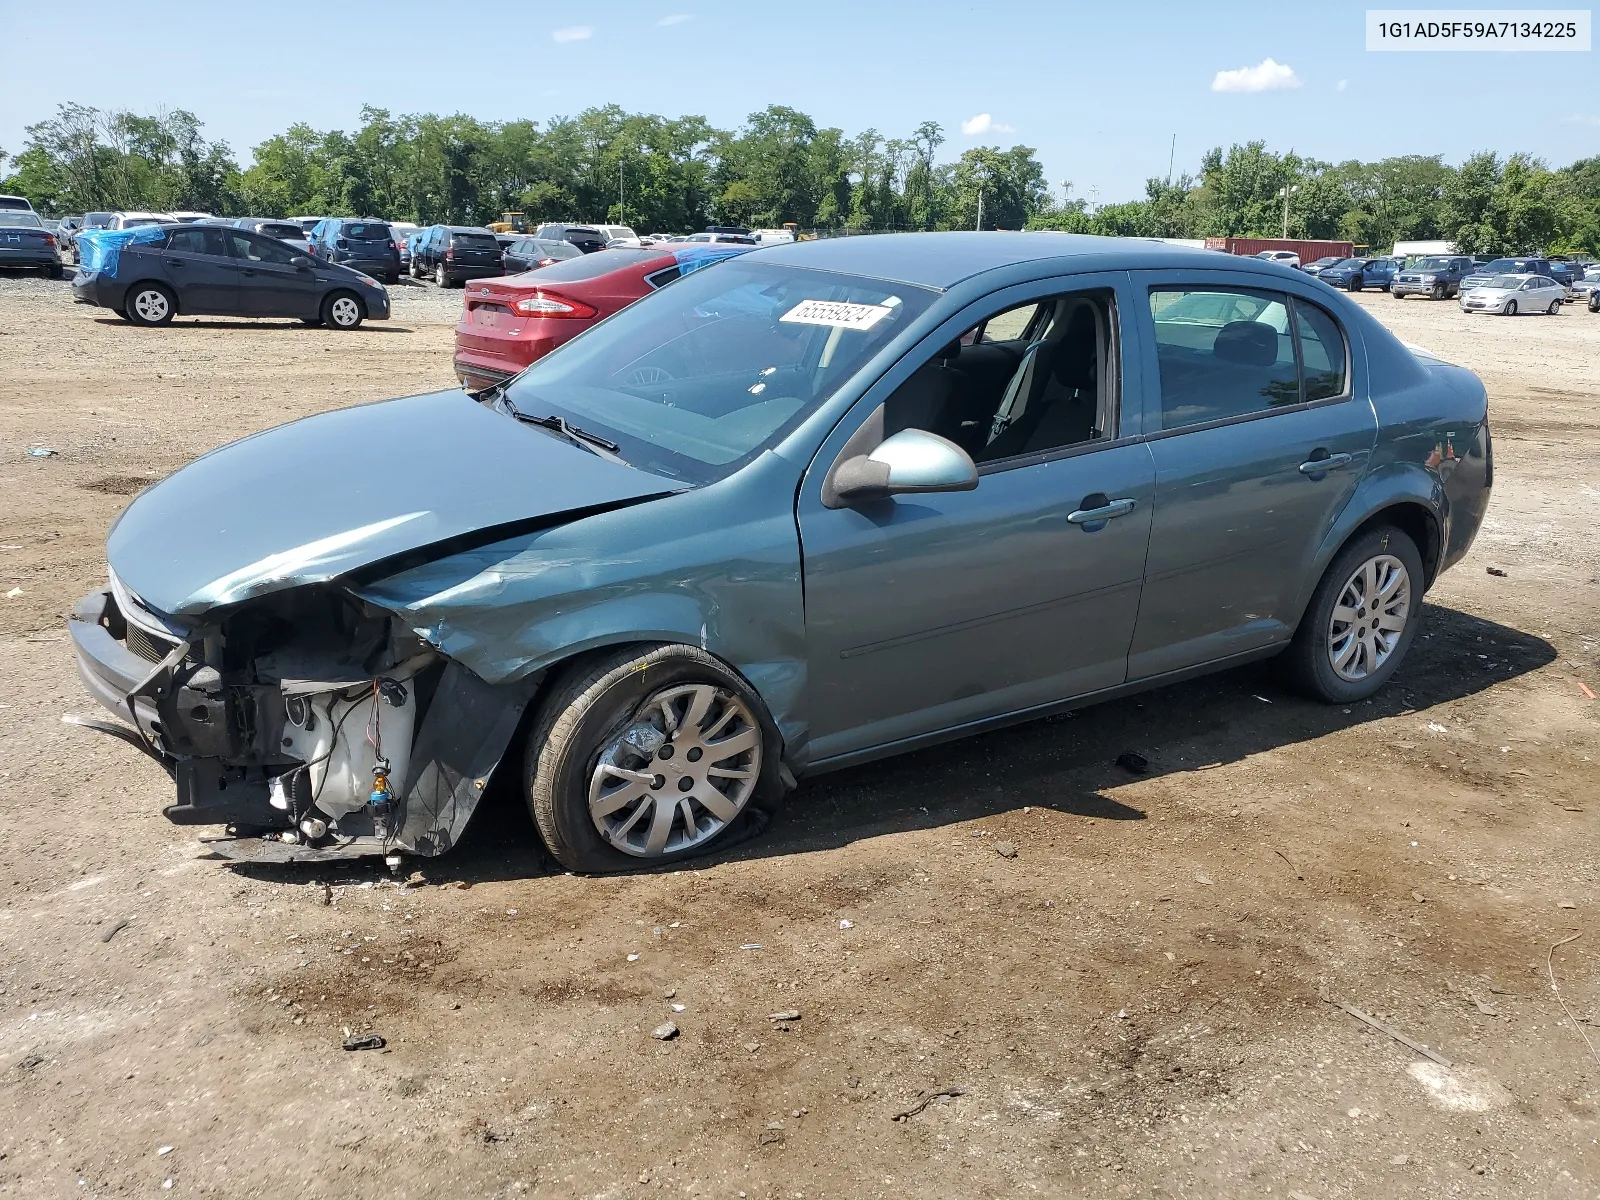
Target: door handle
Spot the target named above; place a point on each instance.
(1103, 512)
(1329, 462)
(174, 262)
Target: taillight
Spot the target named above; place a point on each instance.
(545, 262)
(50, 240)
(341, 243)
(450, 254)
(548, 304)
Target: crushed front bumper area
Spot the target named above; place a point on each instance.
(291, 760)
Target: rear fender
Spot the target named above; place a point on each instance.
(1390, 487)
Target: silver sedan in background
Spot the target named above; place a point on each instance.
(1511, 294)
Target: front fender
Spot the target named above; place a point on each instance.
(716, 567)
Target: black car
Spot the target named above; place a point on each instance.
(1438, 276)
(1354, 274)
(453, 254)
(585, 237)
(530, 253)
(358, 243)
(25, 242)
(217, 270)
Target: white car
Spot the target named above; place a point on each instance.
(132, 220)
(1585, 288)
(1513, 294)
(619, 236)
(1287, 257)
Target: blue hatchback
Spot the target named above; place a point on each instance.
(812, 505)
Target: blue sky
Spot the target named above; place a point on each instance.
(1098, 89)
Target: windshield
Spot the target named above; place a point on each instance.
(1507, 282)
(1434, 264)
(1501, 266)
(1345, 262)
(695, 378)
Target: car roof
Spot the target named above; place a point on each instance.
(942, 260)
(467, 229)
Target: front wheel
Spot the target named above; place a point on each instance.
(1361, 620)
(1511, 308)
(1398, 295)
(647, 756)
(341, 310)
(1440, 291)
(151, 304)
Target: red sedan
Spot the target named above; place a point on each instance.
(512, 321)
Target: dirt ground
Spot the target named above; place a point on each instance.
(1130, 1006)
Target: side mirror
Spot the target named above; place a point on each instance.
(913, 460)
(300, 260)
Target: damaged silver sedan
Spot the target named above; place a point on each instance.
(808, 507)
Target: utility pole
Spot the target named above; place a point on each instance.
(979, 225)
(622, 216)
(1170, 155)
(1286, 192)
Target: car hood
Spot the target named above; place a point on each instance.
(321, 497)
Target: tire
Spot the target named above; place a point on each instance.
(439, 276)
(392, 278)
(1594, 304)
(1354, 285)
(342, 310)
(54, 272)
(1385, 286)
(416, 269)
(1324, 636)
(1511, 308)
(1440, 292)
(151, 304)
(1398, 295)
(580, 730)
(1555, 308)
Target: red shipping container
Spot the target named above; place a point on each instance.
(1308, 250)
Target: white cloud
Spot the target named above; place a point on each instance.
(1341, 85)
(1265, 76)
(675, 19)
(1581, 119)
(572, 33)
(983, 123)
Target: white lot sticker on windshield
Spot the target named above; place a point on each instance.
(837, 314)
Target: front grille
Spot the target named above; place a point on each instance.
(147, 646)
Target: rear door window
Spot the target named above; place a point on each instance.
(254, 248)
(1225, 353)
(198, 239)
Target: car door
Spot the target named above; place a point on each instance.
(270, 284)
(929, 612)
(196, 262)
(1260, 430)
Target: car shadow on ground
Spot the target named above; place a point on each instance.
(1067, 763)
(265, 324)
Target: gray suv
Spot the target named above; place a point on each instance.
(1438, 278)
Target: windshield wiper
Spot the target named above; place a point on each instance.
(604, 447)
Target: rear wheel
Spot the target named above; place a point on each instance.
(439, 276)
(1355, 284)
(341, 310)
(54, 272)
(1361, 620)
(1555, 308)
(649, 755)
(151, 304)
